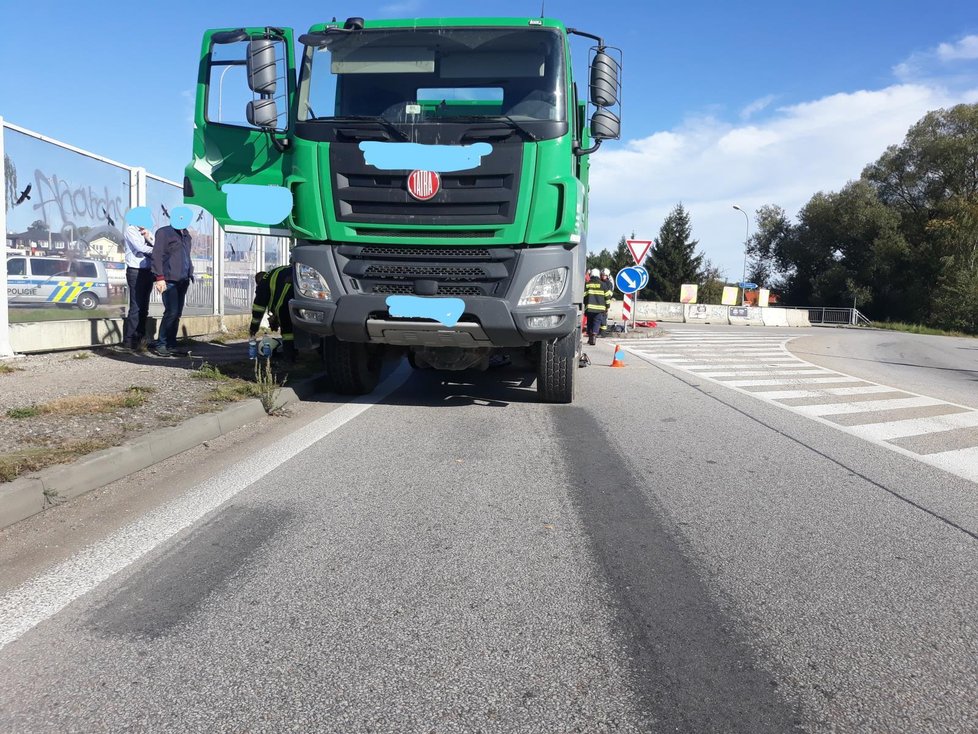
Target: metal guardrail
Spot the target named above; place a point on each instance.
(831, 316)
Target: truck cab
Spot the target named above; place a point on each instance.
(433, 173)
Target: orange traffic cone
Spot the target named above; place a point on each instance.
(617, 360)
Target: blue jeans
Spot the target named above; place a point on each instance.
(173, 298)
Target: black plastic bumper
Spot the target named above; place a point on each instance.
(347, 319)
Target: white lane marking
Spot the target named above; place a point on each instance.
(916, 426)
(29, 604)
(794, 392)
(757, 373)
(808, 380)
(801, 381)
(867, 406)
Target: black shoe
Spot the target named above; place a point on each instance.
(160, 350)
(591, 341)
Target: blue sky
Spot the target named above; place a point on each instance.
(724, 103)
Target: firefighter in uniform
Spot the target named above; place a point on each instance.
(272, 294)
(595, 304)
(609, 294)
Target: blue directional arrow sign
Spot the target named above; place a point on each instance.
(747, 286)
(631, 280)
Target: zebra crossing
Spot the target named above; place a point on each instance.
(934, 431)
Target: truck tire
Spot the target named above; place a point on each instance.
(351, 367)
(556, 368)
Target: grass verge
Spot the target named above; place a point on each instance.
(6, 369)
(918, 329)
(26, 315)
(22, 461)
(132, 397)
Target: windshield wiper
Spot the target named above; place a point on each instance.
(491, 120)
(388, 126)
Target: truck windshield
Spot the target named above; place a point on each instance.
(423, 76)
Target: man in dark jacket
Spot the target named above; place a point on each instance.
(273, 293)
(174, 272)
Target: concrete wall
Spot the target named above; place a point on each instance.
(49, 336)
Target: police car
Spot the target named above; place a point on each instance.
(33, 280)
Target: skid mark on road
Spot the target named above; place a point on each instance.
(927, 429)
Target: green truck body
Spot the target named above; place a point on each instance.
(434, 176)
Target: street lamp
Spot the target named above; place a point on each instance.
(743, 282)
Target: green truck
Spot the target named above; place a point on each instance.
(434, 176)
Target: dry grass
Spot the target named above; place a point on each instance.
(6, 369)
(232, 335)
(22, 461)
(208, 371)
(132, 397)
(235, 390)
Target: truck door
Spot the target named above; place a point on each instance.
(242, 125)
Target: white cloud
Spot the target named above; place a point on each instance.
(966, 48)
(709, 165)
(945, 58)
(758, 105)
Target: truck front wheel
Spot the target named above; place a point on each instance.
(556, 368)
(353, 368)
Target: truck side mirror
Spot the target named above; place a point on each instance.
(605, 125)
(261, 66)
(263, 113)
(604, 80)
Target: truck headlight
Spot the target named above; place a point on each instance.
(546, 287)
(311, 283)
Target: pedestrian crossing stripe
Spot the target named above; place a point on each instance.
(67, 291)
(927, 429)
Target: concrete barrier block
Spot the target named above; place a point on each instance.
(774, 316)
(798, 317)
(662, 311)
(706, 313)
(51, 336)
(738, 315)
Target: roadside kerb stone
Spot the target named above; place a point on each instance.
(26, 496)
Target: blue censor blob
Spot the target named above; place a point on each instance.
(445, 311)
(261, 204)
(414, 156)
(180, 217)
(140, 216)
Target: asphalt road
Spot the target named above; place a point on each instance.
(668, 554)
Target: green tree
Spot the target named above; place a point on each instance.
(931, 182)
(673, 260)
(38, 230)
(613, 260)
(711, 282)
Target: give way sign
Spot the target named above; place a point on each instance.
(639, 249)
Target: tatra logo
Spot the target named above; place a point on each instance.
(423, 185)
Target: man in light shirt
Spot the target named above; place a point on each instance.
(139, 278)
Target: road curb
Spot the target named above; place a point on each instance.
(29, 495)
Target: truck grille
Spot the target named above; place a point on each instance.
(484, 195)
(428, 234)
(454, 271)
(447, 290)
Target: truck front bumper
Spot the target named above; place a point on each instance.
(486, 321)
